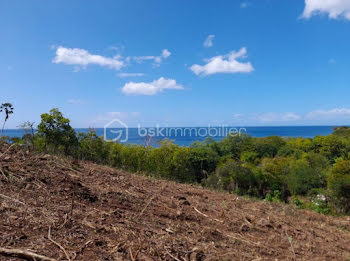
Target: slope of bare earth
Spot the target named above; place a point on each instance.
(100, 213)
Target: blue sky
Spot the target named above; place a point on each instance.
(177, 63)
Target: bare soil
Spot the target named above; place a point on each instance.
(99, 213)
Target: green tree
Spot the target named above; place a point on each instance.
(92, 147)
(302, 177)
(236, 178)
(300, 144)
(203, 161)
(330, 146)
(339, 185)
(274, 176)
(233, 146)
(8, 109)
(57, 132)
(342, 131)
(268, 147)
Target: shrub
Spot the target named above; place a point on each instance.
(330, 146)
(203, 160)
(300, 144)
(93, 148)
(297, 202)
(274, 173)
(115, 156)
(275, 196)
(268, 147)
(250, 157)
(58, 134)
(342, 131)
(235, 177)
(302, 177)
(233, 146)
(321, 207)
(339, 185)
(272, 168)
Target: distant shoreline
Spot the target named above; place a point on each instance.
(187, 140)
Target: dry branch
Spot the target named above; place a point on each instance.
(148, 203)
(204, 215)
(3, 174)
(12, 199)
(57, 244)
(291, 245)
(174, 257)
(8, 149)
(24, 254)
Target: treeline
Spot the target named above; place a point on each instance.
(311, 173)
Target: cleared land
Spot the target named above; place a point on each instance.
(67, 210)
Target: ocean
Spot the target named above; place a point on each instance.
(185, 136)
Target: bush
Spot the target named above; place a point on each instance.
(274, 172)
(275, 196)
(233, 146)
(339, 185)
(330, 146)
(58, 135)
(272, 168)
(297, 202)
(115, 156)
(302, 177)
(268, 147)
(234, 177)
(203, 160)
(321, 207)
(300, 144)
(342, 131)
(250, 157)
(93, 148)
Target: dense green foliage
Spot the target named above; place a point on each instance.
(313, 173)
(339, 184)
(56, 134)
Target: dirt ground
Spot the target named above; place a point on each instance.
(68, 210)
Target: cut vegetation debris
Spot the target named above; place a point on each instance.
(53, 208)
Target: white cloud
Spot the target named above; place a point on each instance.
(278, 117)
(144, 58)
(156, 59)
(125, 75)
(238, 116)
(244, 5)
(152, 88)
(118, 48)
(81, 57)
(334, 8)
(120, 115)
(209, 41)
(269, 118)
(333, 114)
(224, 64)
(76, 101)
(103, 118)
(166, 53)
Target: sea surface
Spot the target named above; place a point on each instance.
(185, 136)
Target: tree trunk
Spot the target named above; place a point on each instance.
(3, 127)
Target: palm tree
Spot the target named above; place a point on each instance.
(8, 109)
